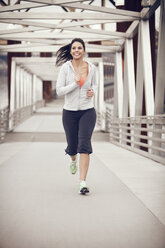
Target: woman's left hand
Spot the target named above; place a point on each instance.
(90, 93)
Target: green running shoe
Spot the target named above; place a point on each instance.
(83, 189)
(73, 166)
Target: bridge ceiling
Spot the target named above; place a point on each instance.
(45, 25)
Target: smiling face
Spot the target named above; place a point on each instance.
(77, 50)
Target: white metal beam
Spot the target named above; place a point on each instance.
(92, 8)
(63, 16)
(160, 78)
(129, 80)
(21, 6)
(139, 78)
(12, 94)
(147, 67)
(118, 86)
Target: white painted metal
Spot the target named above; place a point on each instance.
(160, 73)
(139, 78)
(17, 87)
(118, 86)
(25, 87)
(93, 8)
(147, 67)
(53, 49)
(12, 94)
(34, 79)
(31, 87)
(132, 30)
(20, 6)
(64, 16)
(101, 105)
(56, 2)
(160, 79)
(129, 80)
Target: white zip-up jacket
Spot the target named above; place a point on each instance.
(76, 97)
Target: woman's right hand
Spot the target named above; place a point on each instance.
(77, 78)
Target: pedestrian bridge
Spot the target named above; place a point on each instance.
(39, 202)
(40, 205)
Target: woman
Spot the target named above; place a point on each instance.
(77, 81)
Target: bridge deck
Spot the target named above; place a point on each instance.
(39, 202)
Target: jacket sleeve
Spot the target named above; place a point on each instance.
(61, 87)
(94, 82)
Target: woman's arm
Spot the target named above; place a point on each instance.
(61, 87)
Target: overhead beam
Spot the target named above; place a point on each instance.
(21, 30)
(72, 24)
(51, 48)
(24, 45)
(59, 26)
(55, 2)
(64, 16)
(21, 6)
(70, 35)
(91, 7)
(53, 35)
(24, 60)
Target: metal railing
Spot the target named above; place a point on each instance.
(3, 123)
(24, 113)
(16, 118)
(142, 134)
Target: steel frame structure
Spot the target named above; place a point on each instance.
(37, 35)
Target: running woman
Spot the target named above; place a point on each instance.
(77, 81)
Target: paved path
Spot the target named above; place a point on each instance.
(39, 202)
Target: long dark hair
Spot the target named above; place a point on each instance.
(63, 54)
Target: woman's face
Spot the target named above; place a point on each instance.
(77, 50)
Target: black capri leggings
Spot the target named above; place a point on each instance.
(78, 126)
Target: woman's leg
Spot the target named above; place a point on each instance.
(84, 165)
(70, 124)
(86, 127)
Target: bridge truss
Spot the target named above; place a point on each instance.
(43, 26)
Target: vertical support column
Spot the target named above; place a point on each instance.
(96, 100)
(21, 89)
(139, 88)
(34, 91)
(139, 78)
(147, 70)
(12, 94)
(17, 87)
(129, 90)
(147, 67)
(28, 89)
(129, 80)
(118, 86)
(160, 79)
(118, 91)
(25, 87)
(160, 73)
(101, 95)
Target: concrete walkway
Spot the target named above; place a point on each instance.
(39, 202)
